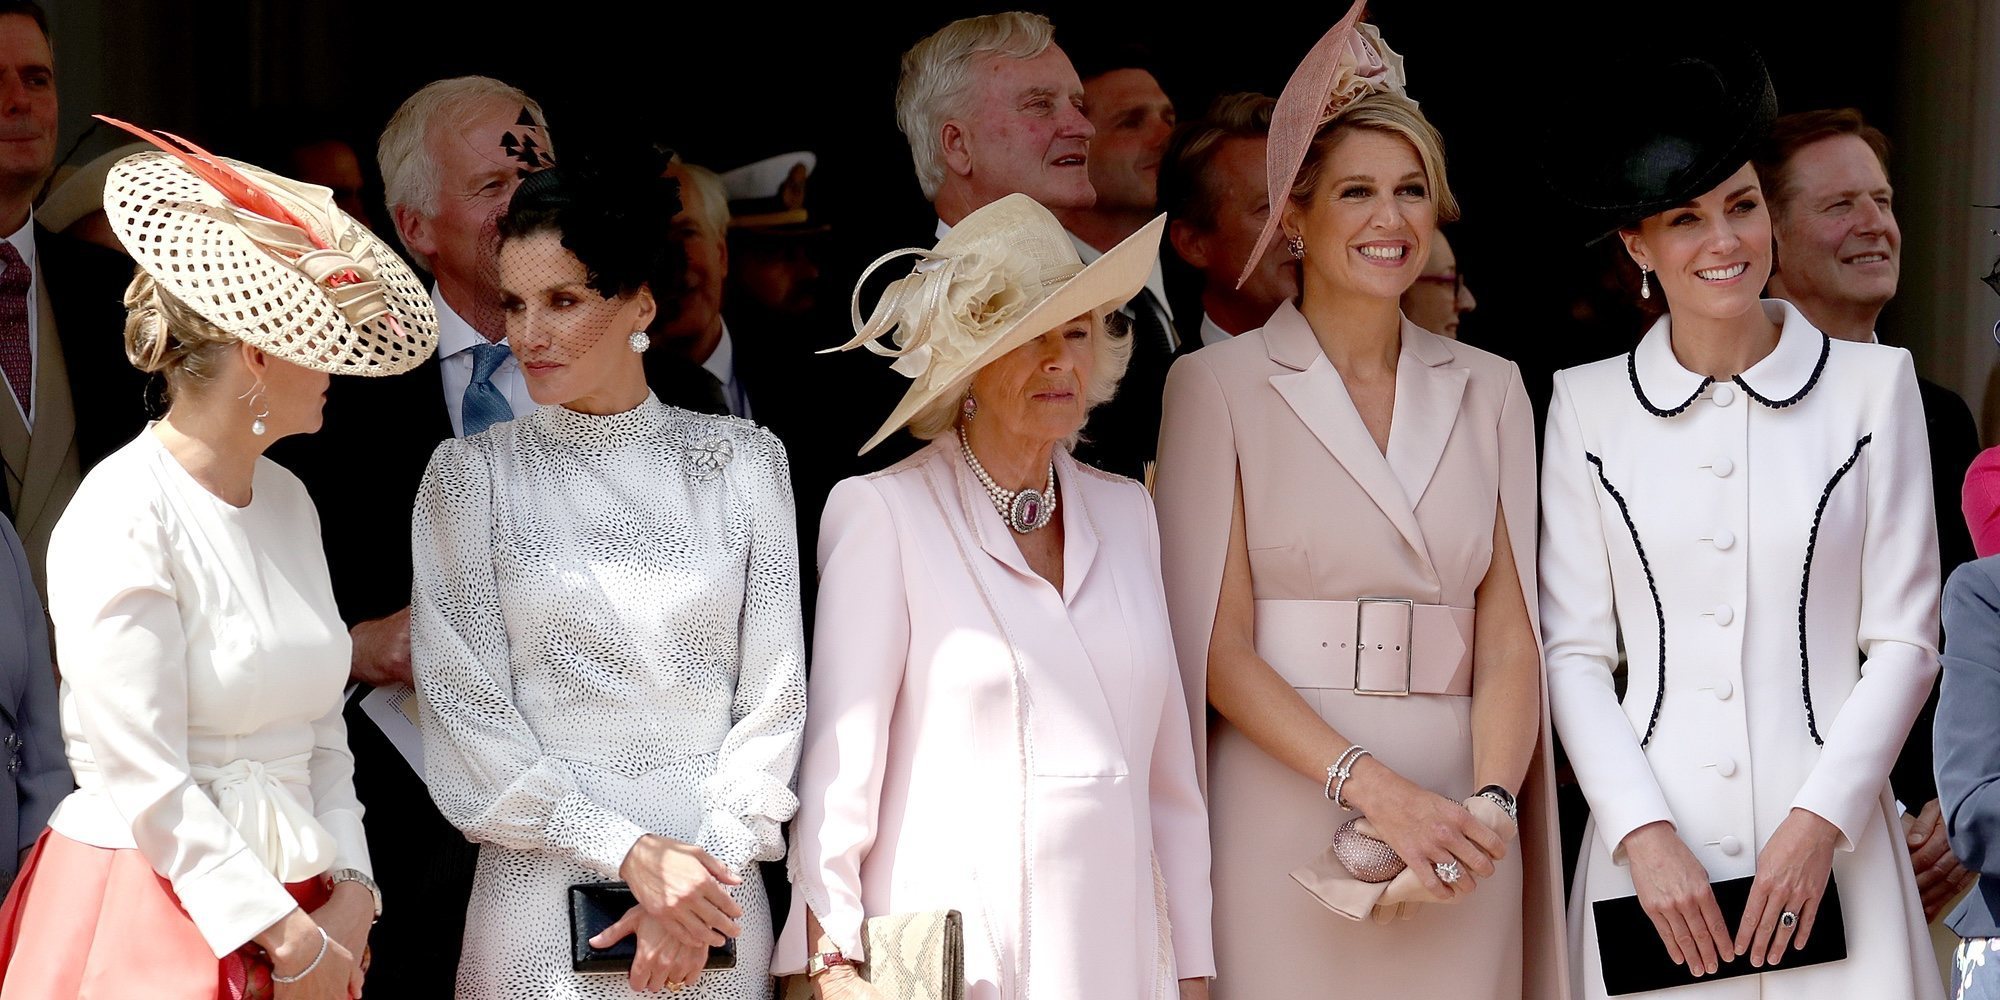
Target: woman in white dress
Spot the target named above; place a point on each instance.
(213, 846)
(606, 634)
(1738, 503)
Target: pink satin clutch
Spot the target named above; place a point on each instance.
(1366, 858)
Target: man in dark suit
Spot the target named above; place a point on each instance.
(70, 397)
(1132, 118)
(1214, 191)
(451, 157)
(1826, 176)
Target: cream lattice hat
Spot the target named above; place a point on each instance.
(1003, 276)
(270, 261)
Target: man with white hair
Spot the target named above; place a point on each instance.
(451, 158)
(992, 106)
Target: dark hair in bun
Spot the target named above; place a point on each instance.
(614, 210)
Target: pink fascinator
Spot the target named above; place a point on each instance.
(1349, 62)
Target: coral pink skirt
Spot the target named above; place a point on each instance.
(97, 923)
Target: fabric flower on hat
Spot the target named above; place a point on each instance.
(947, 309)
(1367, 65)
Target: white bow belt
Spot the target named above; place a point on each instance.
(251, 796)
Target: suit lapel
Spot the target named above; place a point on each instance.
(54, 438)
(1315, 392)
(1079, 532)
(980, 516)
(1428, 392)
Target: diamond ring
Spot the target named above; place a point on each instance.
(1448, 871)
(1788, 919)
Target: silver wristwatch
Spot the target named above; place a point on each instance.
(1503, 798)
(339, 875)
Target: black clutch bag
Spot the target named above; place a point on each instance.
(593, 906)
(1635, 960)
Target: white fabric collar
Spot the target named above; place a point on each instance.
(1782, 378)
(455, 335)
(721, 362)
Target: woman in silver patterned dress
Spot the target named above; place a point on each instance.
(606, 633)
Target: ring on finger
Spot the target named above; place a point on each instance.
(1448, 871)
(1788, 920)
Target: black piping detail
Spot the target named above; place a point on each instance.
(1632, 374)
(1805, 581)
(1825, 348)
(1659, 612)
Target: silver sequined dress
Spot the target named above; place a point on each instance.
(606, 642)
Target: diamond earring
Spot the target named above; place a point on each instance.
(638, 341)
(1645, 289)
(969, 408)
(1298, 246)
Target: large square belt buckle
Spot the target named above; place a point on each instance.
(1362, 645)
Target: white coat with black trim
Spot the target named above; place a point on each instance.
(1752, 542)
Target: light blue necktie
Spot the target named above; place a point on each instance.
(484, 405)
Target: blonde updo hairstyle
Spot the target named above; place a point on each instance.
(1387, 112)
(1111, 352)
(164, 336)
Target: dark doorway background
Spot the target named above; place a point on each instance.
(729, 83)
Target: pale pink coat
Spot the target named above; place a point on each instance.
(978, 741)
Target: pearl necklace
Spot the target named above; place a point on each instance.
(1023, 510)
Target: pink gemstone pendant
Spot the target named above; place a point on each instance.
(1026, 514)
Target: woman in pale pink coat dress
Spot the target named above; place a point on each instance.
(996, 725)
(1348, 506)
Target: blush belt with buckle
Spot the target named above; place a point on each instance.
(1388, 646)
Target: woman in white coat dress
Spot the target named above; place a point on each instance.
(1739, 500)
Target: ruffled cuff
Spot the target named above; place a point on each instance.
(738, 843)
(598, 838)
(743, 822)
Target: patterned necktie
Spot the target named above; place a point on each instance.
(484, 405)
(16, 358)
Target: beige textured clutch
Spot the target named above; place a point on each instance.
(911, 956)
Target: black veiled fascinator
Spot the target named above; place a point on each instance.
(1667, 130)
(614, 209)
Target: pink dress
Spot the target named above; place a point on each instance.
(978, 741)
(1330, 518)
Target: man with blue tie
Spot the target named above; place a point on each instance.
(451, 158)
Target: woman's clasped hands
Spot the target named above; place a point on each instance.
(1674, 890)
(1427, 831)
(684, 910)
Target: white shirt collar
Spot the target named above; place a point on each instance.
(721, 362)
(454, 333)
(1211, 333)
(24, 241)
(943, 229)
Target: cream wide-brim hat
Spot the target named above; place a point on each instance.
(262, 281)
(1003, 276)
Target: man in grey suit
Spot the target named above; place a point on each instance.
(1966, 751)
(31, 744)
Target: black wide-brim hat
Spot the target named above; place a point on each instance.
(1669, 131)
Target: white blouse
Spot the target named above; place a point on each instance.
(203, 662)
